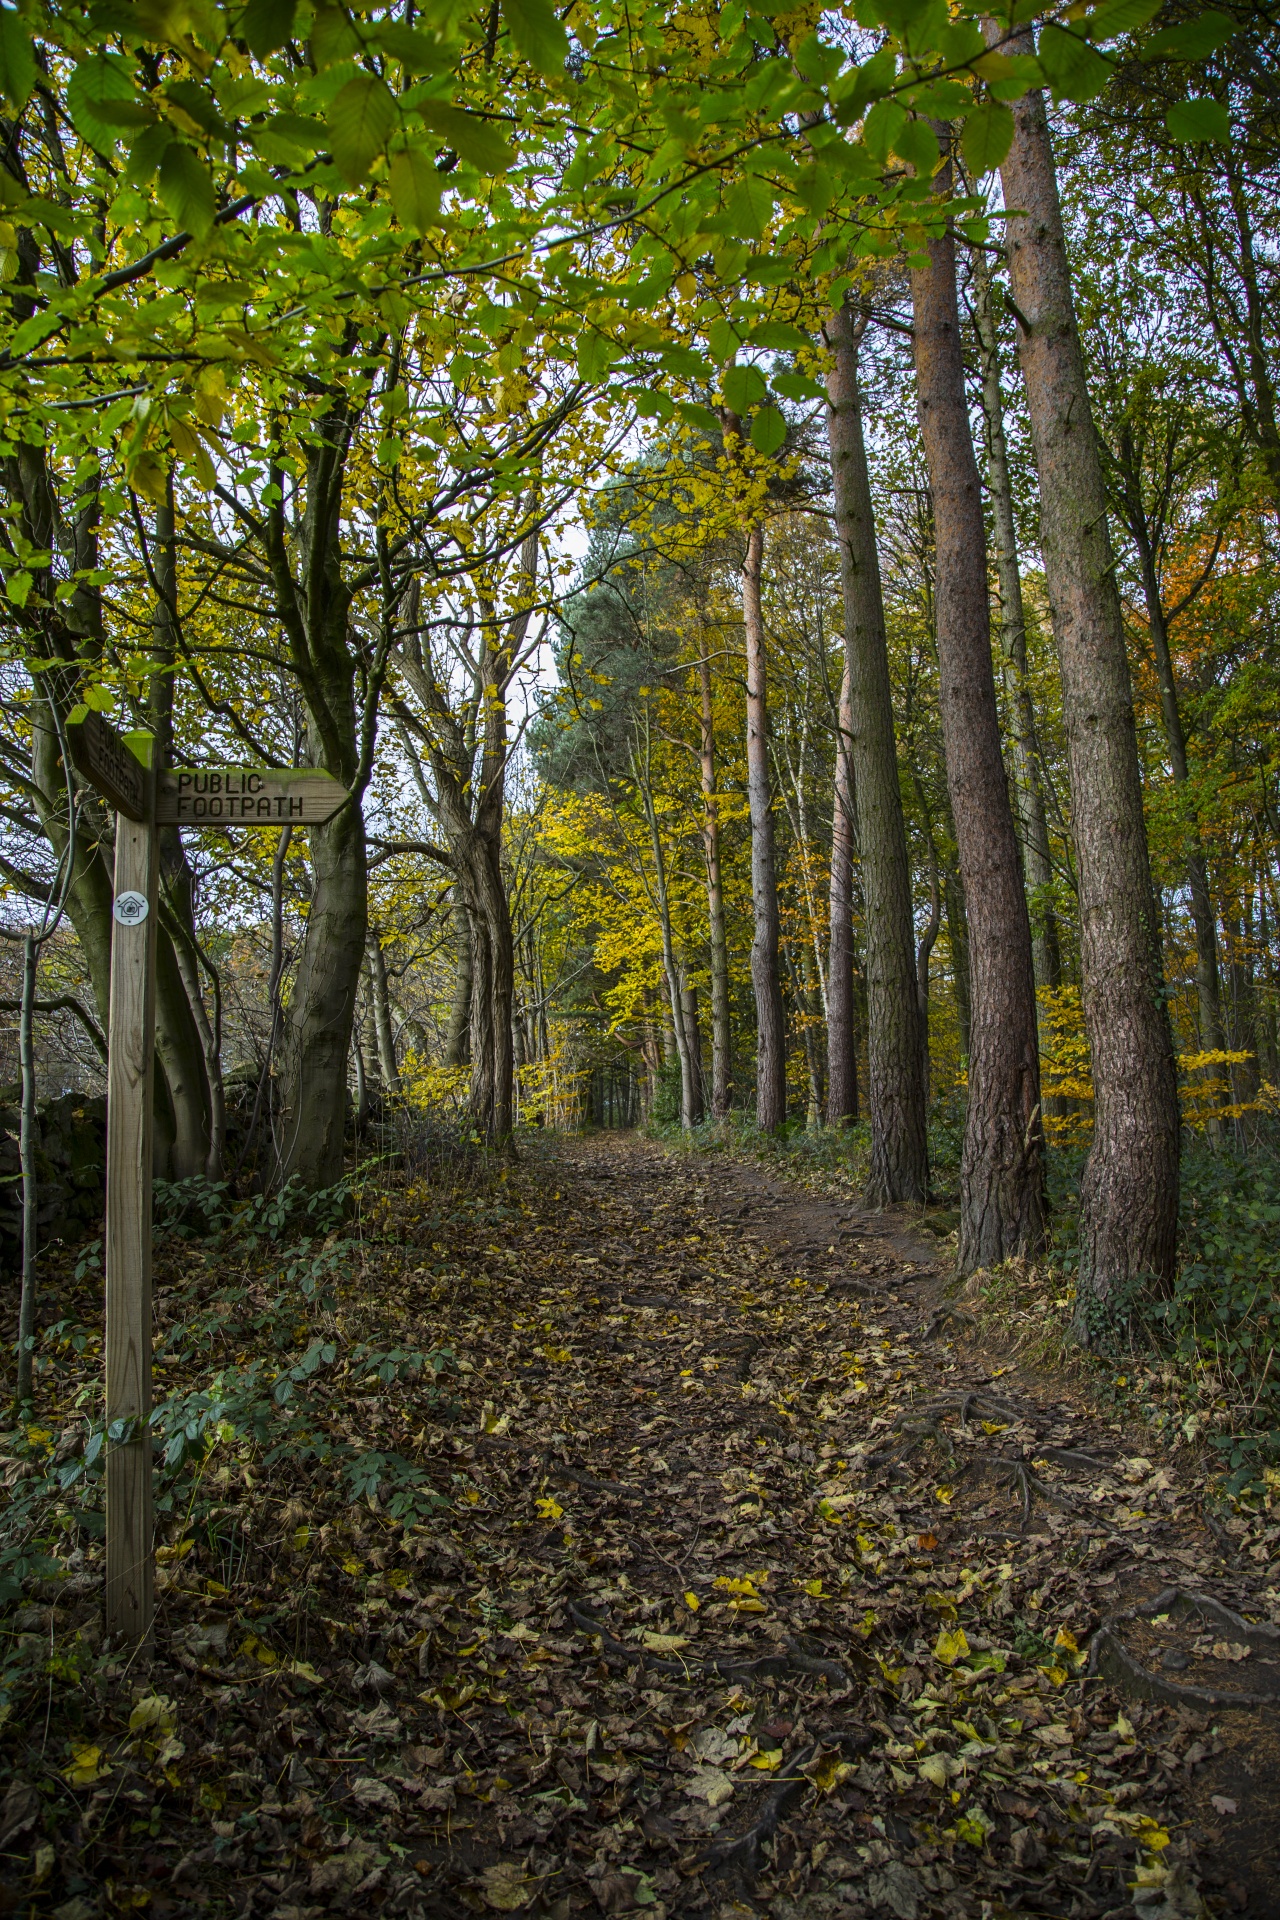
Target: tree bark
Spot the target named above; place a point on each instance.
(895, 1077)
(457, 1045)
(842, 1051)
(384, 1031)
(1129, 1193)
(1002, 1162)
(192, 1071)
(721, 1031)
(1028, 774)
(318, 1019)
(1204, 920)
(771, 1046)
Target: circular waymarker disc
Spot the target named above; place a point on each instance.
(130, 908)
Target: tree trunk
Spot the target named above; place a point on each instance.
(721, 1031)
(895, 1079)
(183, 1035)
(842, 1051)
(675, 1032)
(693, 1040)
(322, 1005)
(1208, 978)
(457, 1045)
(1028, 774)
(1002, 1162)
(1129, 1193)
(385, 1033)
(771, 1045)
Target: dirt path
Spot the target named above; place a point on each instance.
(756, 1594)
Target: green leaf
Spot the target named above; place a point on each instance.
(881, 128)
(17, 61)
(1109, 21)
(1202, 119)
(723, 340)
(798, 386)
(596, 354)
(415, 190)
(18, 587)
(472, 139)
(768, 430)
(987, 138)
(778, 335)
(700, 417)
(267, 25)
(101, 99)
(748, 205)
(852, 92)
(917, 144)
(539, 36)
(1194, 40)
(186, 189)
(361, 121)
(417, 52)
(1074, 69)
(333, 38)
(146, 153)
(743, 387)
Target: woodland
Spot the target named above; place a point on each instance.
(769, 515)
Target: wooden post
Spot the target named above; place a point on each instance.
(130, 1599)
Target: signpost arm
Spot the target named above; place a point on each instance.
(130, 1598)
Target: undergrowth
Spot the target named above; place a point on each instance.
(269, 1358)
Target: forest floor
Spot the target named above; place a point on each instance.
(751, 1589)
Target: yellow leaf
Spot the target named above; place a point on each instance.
(951, 1647)
(692, 1601)
(300, 1538)
(936, 1769)
(767, 1762)
(549, 1507)
(664, 1642)
(86, 1767)
(945, 1495)
(814, 1589)
(303, 1670)
(153, 1710)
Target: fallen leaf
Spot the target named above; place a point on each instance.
(951, 1646)
(506, 1888)
(375, 1796)
(1220, 1803)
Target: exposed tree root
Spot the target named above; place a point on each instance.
(744, 1849)
(943, 1317)
(1112, 1660)
(727, 1666)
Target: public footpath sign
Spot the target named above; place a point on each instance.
(119, 766)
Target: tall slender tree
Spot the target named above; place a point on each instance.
(1129, 1191)
(1028, 771)
(895, 1055)
(771, 1059)
(1002, 1164)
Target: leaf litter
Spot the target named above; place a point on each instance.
(696, 1565)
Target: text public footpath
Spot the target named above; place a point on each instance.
(233, 796)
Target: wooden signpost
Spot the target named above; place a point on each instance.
(119, 766)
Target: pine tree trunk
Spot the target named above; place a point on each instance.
(1002, 1163)
(895, 1076)
(1129, 1193)
(771, 1046)
(1028, 774)
(842, 1051)
(721, 1031)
